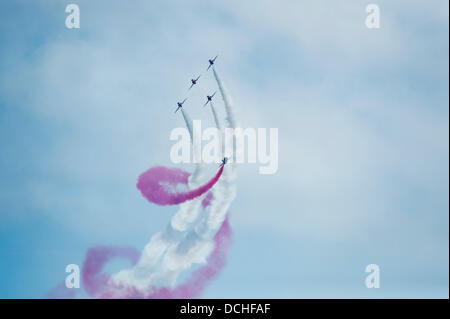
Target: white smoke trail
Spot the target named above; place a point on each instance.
(194, 180)
(198, 244)
(231, 117)
(160, 243)
(225, 190)
(188, 121)
(216, 118)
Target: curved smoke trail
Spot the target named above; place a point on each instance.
(231, 117)
(101, 285)
(151, 185)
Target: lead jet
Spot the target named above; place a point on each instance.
(209, 97)
(180, 105)
(211, 62)
(194, 81)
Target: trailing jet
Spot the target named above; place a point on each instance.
(194, 81)
(209, 97)
(224, 161)
(211, 62)
(180, 105)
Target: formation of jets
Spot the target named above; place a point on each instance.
(208, 97)
(194, 82)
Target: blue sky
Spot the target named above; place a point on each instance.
(363, 138)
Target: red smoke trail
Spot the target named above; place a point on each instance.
(151, 185)
(98, 284)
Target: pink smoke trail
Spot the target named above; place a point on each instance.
(98, 284)
(94, 281)
(152, 185)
